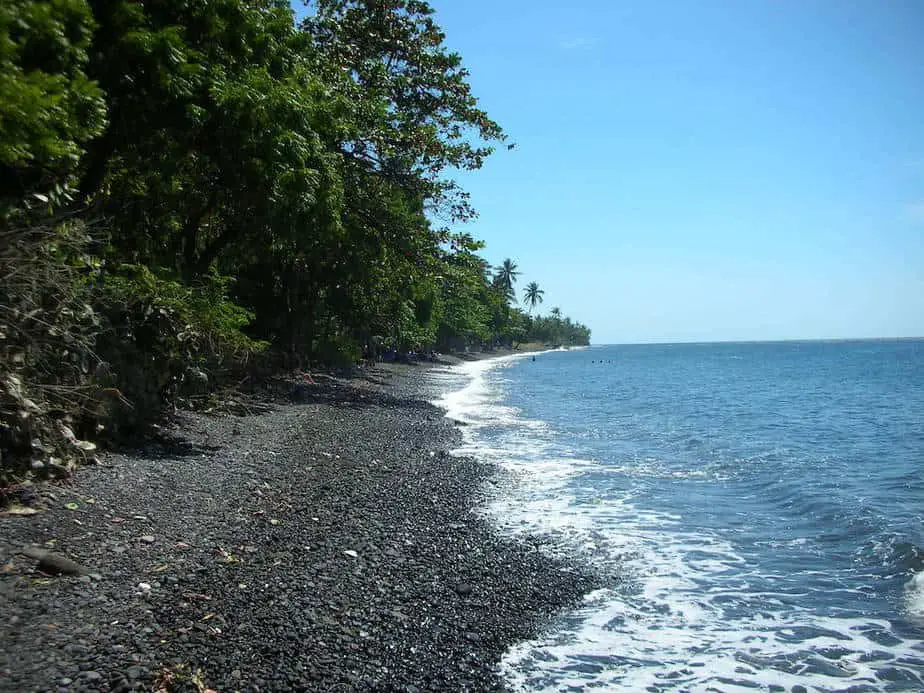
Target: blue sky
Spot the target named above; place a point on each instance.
(696, 170)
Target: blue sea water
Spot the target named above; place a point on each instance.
(761, 506)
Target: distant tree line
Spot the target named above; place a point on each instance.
(188, 189)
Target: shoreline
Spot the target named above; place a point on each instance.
(330, 544)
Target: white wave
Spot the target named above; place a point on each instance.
(914, 595)
(620, 647)
(691, 616)
(698, 624)
(476, 402)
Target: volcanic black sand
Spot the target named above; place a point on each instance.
(331, 544)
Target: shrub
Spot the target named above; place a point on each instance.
(164, 339)
(83, 350)
(47, 360)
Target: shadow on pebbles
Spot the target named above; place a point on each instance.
(327, 545)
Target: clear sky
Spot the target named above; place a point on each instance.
(695, 170)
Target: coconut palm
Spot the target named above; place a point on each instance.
(505, 277)
(533, 295)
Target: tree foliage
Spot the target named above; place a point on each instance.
(201, 180)
(49, 108)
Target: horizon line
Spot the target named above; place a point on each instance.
(786, 340)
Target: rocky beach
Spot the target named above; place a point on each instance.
(331, 543)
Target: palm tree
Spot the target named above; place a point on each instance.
(505, 277)
(533, 295)
(556, 325)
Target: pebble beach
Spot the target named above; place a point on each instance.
(329, 544)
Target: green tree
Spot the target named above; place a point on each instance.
(411, 111)
(213, 137)
(49, 107)
(533, 295)
(463, 312)
(505, 277)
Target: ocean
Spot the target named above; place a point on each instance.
(759, 506)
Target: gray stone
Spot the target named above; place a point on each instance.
(52, 563)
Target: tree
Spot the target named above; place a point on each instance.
(49, 108)
(533, 295)
(405, 115)
(504, 279)
(462, 308)
(410, 108)
(557, 330)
